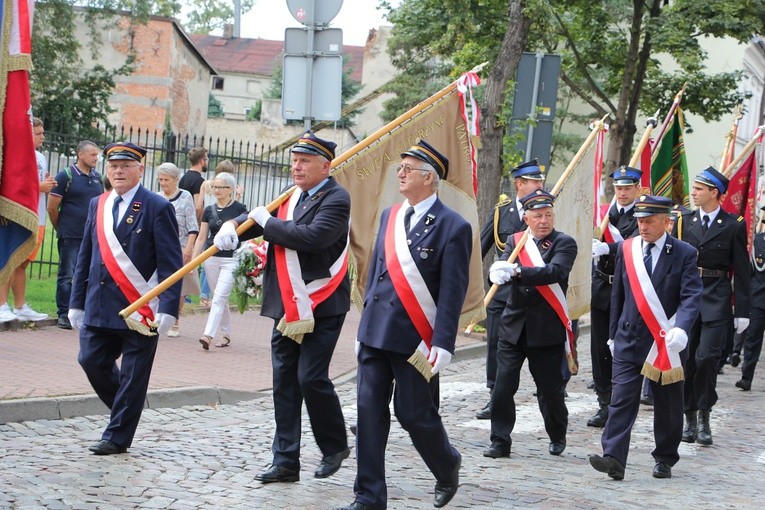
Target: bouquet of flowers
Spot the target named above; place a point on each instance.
(251, 256)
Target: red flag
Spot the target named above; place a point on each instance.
(19, 187)
(645, 164)
(740, 199)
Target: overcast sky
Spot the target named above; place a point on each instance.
(269, 18)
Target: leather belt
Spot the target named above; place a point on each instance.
(713, 273)
(608, 278)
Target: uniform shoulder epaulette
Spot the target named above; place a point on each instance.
(502, 202)
(740, 218)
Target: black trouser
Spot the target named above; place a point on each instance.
(705, 345)
(753, 343)
(493, 314)
(545, 367)
(599, 351)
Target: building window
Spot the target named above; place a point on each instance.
(217, 83)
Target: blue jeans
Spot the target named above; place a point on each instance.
(204, 290)
(67, 259)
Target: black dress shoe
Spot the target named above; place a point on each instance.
(278, 474)
(485, 413)
(354, 506)
(557, 447)
(63, 322)
(662, 470)
(609, 465)
(735, 359)
(445, 491)
(104, 447)
(331, 463)
(646, 400)
(353, 429)
(744, 385)
(497, 449)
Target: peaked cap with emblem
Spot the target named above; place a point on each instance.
(537, 200)
(626, 176)
(125, 151)
(309, 143)
(423, 151)
(529, 170)
(712, 177)
(648, 205)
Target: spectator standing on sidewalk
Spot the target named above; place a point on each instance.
(17, 284)
(193, 178)
(186, 216)
(68, 210)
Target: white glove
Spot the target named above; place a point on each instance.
(226, 238)
(358, 348)
(740, 323)
(260, 215)
(76, 316)
(610, 344)
(439, 358)
(164, 322)
(599, 248)
(676, 340)
(501, 271)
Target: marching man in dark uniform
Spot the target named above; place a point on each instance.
(307, 293)
(753, 335)
(130, 244)
(621, 225)
(655, 302)
(534, 324)
(506, 220)
(720, 239)
(415, 291)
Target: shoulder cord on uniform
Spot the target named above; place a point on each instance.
(499, 243)
(680, 227)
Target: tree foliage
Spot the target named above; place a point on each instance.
(204, 16)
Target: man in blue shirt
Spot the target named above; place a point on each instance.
(68, 209)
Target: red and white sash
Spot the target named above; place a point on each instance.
(611, 234)
(529, 256)
(661, 364)
(300, 299)
(129, 280)
(410, 287)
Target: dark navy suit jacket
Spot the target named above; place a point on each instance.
(526, 307)
(318, 232)
(678, 286)
(626, 224)
(151, 242)
(446, 240)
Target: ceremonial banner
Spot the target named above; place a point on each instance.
(370, 178)
(740, 200)
(19, 187)
(669, 171)
(577, 196)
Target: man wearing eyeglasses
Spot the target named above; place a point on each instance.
(415, 289)
(306, 291)
(131, 244)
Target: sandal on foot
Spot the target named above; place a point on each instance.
(205, 341)
(223, 342)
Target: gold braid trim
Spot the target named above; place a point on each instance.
(473, 316)
(420, 363)
(651, 372)
(296, 330)
(499, 243)
(672, 375)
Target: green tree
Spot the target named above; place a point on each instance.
(611, 53)
(208, 15)
(214, 106)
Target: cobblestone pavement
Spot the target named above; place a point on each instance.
(200, 457)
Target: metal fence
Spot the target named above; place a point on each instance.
(262, 171)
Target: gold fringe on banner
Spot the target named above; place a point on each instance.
(140, 327)
(421, 364)
(651, 372)
(296, 330)
(672, 375)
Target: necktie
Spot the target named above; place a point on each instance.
(303, 197)
(408, 218)
(704, 223)
(648, 259)
(116, 211)
(621, 212)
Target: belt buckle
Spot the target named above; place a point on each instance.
(701, 271)
(610, 279)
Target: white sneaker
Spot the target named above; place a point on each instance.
(6, 315)
(26, 313)
(174, 332)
